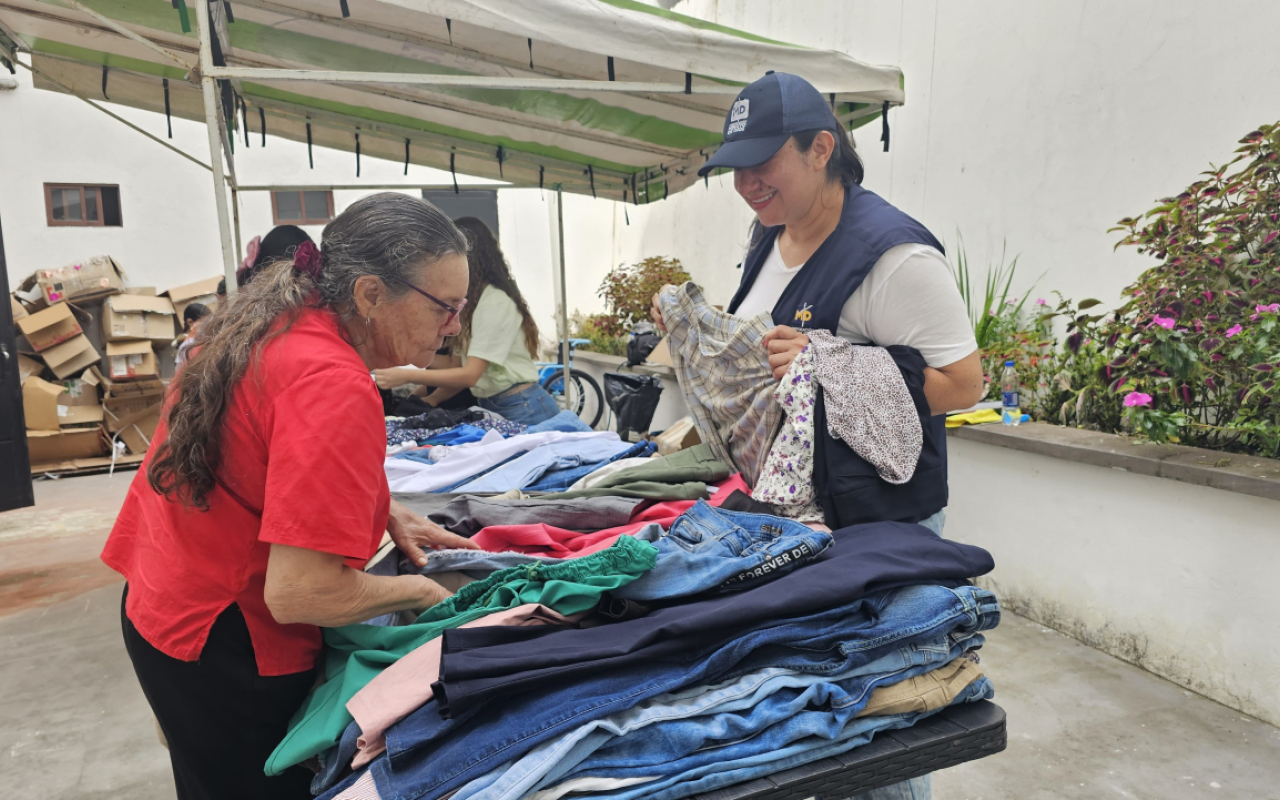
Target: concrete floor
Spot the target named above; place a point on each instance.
(75, 726)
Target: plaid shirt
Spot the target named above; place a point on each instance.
(723, 370)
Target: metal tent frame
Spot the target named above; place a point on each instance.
(700, 50)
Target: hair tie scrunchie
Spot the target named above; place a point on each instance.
(307, 259)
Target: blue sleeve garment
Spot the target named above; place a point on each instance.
(529, 467)
(561, 479)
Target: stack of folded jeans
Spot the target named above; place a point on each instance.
(747, 644)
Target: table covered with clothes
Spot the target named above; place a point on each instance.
(639, 624)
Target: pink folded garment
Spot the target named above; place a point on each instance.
(551, 542)
(403, 687)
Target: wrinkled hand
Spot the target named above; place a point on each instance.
(783, 344)
(655, 312)
(414, 535)
(391, 378)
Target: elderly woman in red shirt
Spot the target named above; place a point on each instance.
(263, 492)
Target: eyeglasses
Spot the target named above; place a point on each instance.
(454, 311)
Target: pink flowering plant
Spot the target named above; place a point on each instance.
(1197, 334)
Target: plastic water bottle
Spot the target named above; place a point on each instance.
(1010, 412)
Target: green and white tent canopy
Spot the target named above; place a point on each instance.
(612, 98)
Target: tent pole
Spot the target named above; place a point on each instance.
(564, 298)
(235, 219)
(209, 84)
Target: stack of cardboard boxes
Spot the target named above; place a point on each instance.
(92, 359)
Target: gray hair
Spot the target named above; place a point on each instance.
(387, 235)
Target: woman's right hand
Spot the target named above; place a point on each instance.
(432, 593)
(655, 312)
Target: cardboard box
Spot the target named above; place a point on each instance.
(71, 357)
(134, 420)
(137, 436)
(18, 311)
(49, 328)
(205, 291)
(93, 277)
(48, 447)
(661, 354)
(40, 405)
(130, 360)
(128, 388)
(120, 412)
(79, 392)
(145, 291)
(28, 367)
(30, 296)
(128, 316)
(78, 404)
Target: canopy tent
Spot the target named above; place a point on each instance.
(608, 98)
(611, 98)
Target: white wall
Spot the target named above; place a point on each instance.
(1040, 124)
(1176, 578)
(1037, 125)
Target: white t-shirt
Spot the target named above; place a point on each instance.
(909, 298)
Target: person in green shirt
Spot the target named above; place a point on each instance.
(497, 345)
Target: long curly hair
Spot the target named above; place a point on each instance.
(489, 268)
(388, 235)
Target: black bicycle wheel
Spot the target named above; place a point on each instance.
(584, 397)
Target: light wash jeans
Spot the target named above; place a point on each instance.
(433, 756)
(714, 550)
(759, 712)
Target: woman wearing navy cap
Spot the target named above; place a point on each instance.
(826, 253)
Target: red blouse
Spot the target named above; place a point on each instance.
(302, 449)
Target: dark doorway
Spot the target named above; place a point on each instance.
(15, 466)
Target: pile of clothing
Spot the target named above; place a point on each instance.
(651, 626)
(614, 643)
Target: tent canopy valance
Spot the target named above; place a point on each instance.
(610, 98)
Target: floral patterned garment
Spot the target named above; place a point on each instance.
(868, 404)
(786, 480)
(868, 407)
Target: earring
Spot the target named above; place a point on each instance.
(367, 322)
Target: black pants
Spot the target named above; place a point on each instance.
(221, 718)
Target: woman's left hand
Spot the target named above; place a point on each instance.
(783, 344)
(391, 378)
(414, 535)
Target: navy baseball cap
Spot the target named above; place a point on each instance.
(765, 115)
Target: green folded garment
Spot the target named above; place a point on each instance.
(670, 477)
(358, 653)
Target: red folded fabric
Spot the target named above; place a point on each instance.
(544, 540)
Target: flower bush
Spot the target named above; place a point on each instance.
(628, 292)
(1198, 332)
(1192, 354)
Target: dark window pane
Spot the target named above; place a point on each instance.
(91, 204)
(110, 205)
(66, 204)
(317, 205)
(288, 205)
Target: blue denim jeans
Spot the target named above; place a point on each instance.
(528, 404)
(713, 549)
(561, 479)
(428, 756)
(936, 522)
(803, 739)
(651, 739)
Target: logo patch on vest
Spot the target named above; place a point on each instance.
(738, 117)
(804, 314)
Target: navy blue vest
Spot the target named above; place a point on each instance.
(848, 487)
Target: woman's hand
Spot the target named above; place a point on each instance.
(783, 344)
(655, 311)
(393, 377)
(414, 534)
